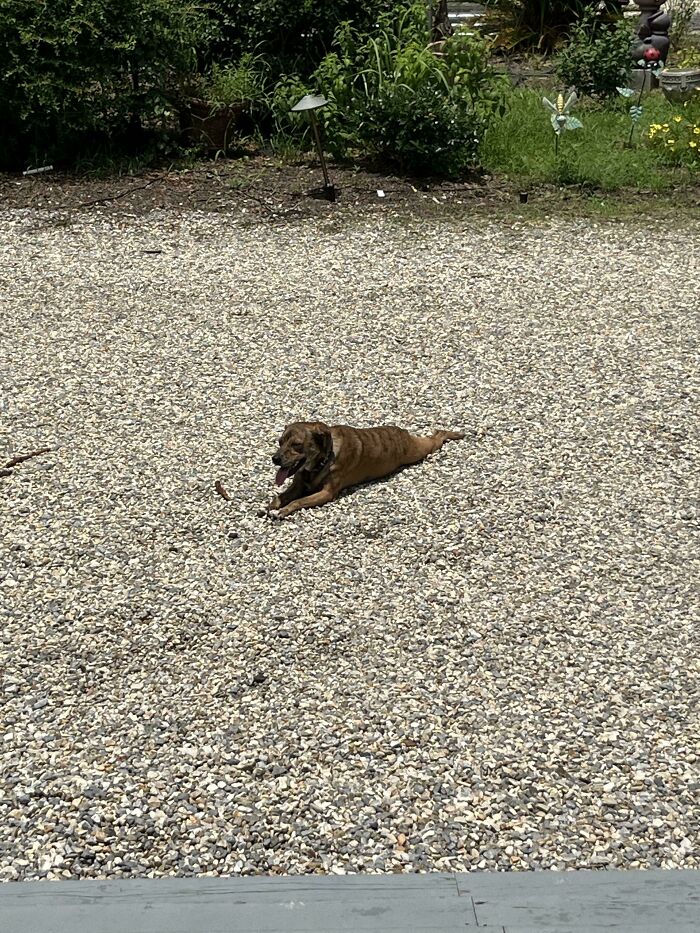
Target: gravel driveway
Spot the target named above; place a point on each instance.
(487, 661)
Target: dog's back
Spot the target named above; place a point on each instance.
(369, 453)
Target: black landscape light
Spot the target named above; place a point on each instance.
(311, 103)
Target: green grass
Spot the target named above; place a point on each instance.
(520, 147)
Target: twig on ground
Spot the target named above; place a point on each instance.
(222, 492)
(114, 197)
(17, 460)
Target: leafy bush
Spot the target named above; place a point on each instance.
(77, 75)
(244, 82)
(294, 33)
(688, 57)
(597, 58)
(682, 13)
(394, 99)
(290, 126)
(470, 74)
(424, 131)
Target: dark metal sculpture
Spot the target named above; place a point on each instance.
(652, 29)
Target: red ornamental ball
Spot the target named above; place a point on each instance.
(652, 55)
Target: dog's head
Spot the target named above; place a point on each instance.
(304, 445)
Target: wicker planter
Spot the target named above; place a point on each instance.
(679, 84)
(210, 125)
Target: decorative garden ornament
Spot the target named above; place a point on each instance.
(561, 118)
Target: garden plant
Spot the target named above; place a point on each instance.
(90, 84)
(596, 59)
(394, 99)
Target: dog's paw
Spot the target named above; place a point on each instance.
(277, 514)
(272, 506)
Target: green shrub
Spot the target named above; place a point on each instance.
(79, 74)
(687, 57)
(394, 99)
(244, 82)
(682, 13)
(470, 74)
(423, 132)
(597, 59)
(294, 34)
(291, 131)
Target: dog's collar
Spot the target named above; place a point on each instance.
(329, 459)
(322, 465)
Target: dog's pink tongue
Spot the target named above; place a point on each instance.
(281, 477)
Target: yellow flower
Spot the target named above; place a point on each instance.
(696, 130)
(677, 119)
(693, 144)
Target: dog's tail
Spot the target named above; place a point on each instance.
(439, 438)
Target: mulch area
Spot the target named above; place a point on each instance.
(263, 186)
(257, 185)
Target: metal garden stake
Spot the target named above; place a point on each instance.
(310, 104)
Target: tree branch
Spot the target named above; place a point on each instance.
(17, 460)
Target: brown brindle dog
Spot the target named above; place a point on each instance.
(324, 460)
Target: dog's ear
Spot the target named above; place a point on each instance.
(324, 442)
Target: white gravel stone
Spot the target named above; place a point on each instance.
(488, 661)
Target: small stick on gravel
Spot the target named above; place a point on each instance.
(222, 492)
(17, 460)
(115, 197)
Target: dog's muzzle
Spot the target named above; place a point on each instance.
(284, 473)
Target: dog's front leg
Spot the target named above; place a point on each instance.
(294, 491)
(327, 494)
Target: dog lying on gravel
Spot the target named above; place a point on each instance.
(324, 460)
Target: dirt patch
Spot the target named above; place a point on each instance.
(263, 186)
(260, 184)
